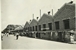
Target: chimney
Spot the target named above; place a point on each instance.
(71, 2)
(33, 16)
(37, 18)
(52, 12)
(40, 12)
(30, 20)
(49, 13)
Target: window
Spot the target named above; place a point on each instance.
(33, 28)
(66, 24)
(39, 27)
(26, 28)
(57, 25)
(44, 27)
(36, 28)
(50, 26)
(30, 28)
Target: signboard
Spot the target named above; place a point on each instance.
(44, 28)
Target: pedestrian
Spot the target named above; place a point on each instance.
(71, 38)
(4, 33)
(7, 34)
(17, 35)
(2, 36)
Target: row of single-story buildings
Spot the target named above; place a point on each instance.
(57, 27)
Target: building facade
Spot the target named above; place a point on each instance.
(45, 25)
(64, 21)
(57, 27)
(33, 28)
(26, 28)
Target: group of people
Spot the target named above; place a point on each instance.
(6, 34)
(2, 35)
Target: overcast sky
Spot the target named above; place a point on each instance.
(20, 11)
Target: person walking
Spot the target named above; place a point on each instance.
(17, 35)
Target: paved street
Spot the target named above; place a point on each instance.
(31, 43)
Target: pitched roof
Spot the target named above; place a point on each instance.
(45, 18)
(26, 25)
(19, 28)
(67, 10)
(12, 27)
(33, 22)
(16, 26)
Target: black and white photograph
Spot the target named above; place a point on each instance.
(38, 24)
